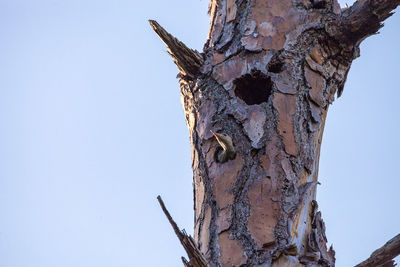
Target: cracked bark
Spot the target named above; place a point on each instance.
(267, 75)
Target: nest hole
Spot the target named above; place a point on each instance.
(217, 152)
(275, 67)
(319, 4)
(254, 88)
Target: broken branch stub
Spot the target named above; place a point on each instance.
(187, 60)
(383, 256)
(196, 258)
(362, 19)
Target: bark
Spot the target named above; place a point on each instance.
(270, 70)
(384, 256)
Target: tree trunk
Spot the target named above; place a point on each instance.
(269, 71)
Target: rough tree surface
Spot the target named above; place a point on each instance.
(267, 75)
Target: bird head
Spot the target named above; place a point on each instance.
(224, 141)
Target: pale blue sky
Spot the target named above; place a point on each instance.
(92, 129)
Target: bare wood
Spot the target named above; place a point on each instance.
(188, 60)
(196, 257)
(364, 18)
(384, 256)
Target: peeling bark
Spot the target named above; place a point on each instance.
(271, 69)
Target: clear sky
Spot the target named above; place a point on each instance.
(92, 130)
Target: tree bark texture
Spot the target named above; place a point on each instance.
(268, 73)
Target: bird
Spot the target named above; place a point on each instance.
(228, 151)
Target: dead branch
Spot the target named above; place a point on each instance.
(383, 256)
(188, 60)
(196, 258)
(362, 19)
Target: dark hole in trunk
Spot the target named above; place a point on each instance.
(319, 4)
(254, 88)
(275, 67)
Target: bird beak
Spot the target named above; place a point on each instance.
(216, 136)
